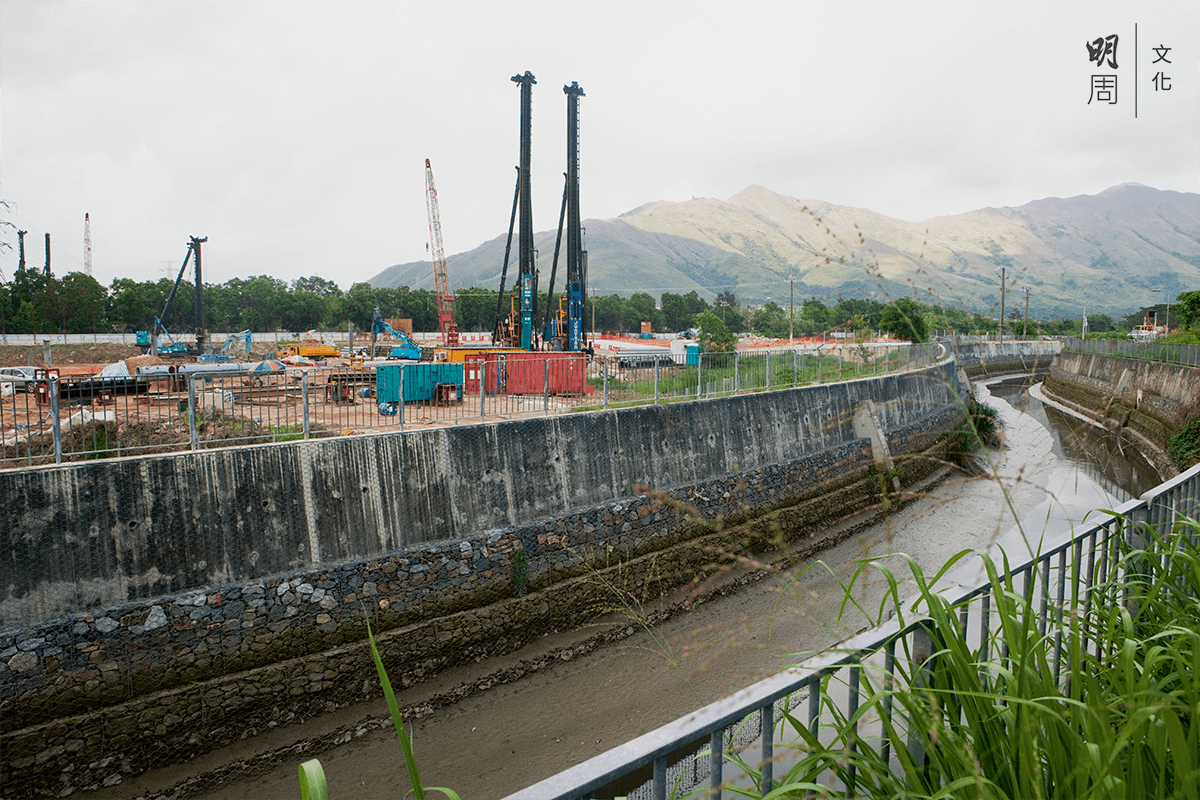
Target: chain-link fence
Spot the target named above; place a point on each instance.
(1188, 354)
(53, 419)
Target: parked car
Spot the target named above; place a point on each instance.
(20, 377)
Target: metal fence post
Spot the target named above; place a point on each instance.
(768, 370)
(401, 398)
(605, 364)
(304, 401)
(699, 373)
(55, 425)
(483, 390)
(656, 381)
(546, 386)
(195, 434)
(737, 360)
(922, 650)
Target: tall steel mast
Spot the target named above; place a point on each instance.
(526, 259)
(576, 254)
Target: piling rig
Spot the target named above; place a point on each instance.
(179, 348)
(518, 331)
(572, 338)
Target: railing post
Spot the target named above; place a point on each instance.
(767, 731)
(605, 363)
(55, 425)
(922, 651)
(656, 381)
(716, 760)
(737, 360)
(700, 374)
(304, 402)
(401, 398)
(195, 433)
(768, 370)
(546, 386)
(483, 390)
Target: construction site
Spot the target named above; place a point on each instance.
(161, 392)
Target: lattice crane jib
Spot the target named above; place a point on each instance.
(87, 244)
(441, 276)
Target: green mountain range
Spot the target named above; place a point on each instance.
(1126, 247)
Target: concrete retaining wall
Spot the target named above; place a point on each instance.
(91, 535)
(457, 544)
(982, 359)
(1147, 400)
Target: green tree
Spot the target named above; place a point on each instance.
(715, 337)
(83, 301)
(770, 320)
(904, 319)
(642, 308)
(730, 310)
(318, 286)
(1188, 304)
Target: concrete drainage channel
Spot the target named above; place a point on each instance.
(119, 675)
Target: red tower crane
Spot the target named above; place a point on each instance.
(440, 276)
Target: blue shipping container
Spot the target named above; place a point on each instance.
(420, 380)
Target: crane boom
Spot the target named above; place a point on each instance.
(440, 276)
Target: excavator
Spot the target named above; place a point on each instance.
(407, 349)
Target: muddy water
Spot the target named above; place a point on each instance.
(1051, 473)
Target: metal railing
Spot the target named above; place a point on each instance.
(1188, 354)
(718, 732)
(63, 420)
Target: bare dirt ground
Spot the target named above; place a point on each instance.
(67, 354)
(99, 353)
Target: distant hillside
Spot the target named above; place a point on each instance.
(1101, 253)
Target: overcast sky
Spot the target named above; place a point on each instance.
(294, 136)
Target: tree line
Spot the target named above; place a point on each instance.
(33, 302)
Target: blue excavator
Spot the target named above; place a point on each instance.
(407, 349)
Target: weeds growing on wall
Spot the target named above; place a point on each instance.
(1184, 447)
(981, 428)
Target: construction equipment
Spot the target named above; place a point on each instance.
(441, 277)
(522, 333)
(407, 349)
(179, 348)
(243, 337)
(571, 338)
(311, 346)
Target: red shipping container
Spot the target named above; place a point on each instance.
(526, 373)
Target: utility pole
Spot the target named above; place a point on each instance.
(46, 269)
(791, 307)
(1025, 332)
(1002, 304)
